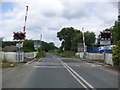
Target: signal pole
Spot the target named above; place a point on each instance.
(24, 28)
(84, 54)
(119, 11)
(20, 40)
(41, 41)
(1, 39)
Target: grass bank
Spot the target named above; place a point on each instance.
(66, 54)
(41, 54)
(6, 64)
(9, 64)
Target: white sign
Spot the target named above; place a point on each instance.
(36, 44)
(105, 42)
(19, 45)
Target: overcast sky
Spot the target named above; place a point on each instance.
(47, 17)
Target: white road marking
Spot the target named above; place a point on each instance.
(93, 65)
(74, 74)
(30, 61)
(80, 77)
(48, 66)
(98, 65)
(39, 60)
(90, 64)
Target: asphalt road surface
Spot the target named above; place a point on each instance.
(57, 72)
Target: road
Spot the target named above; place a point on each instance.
(57, 72)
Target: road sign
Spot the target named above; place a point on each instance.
(19, 45)
(36, 44)
(80, 47)
(105, 42)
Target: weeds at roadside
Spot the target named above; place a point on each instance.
(6, 63)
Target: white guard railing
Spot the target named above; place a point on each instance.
(98, 56)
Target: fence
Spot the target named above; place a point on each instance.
(15, 56)
(107, 58)
(95, 56)
(19, 56)
(30, 55)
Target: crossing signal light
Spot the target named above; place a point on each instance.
(119, 18)
(19, 36)
(105, 35)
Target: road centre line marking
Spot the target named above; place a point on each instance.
(73, 73)
(74, 76)
(80, 77)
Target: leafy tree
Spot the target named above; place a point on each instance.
(28, 46)
(70, 38)
(47, 46)
(115, 32)
(116, 54)
(78, 39)
(9, 43)
(66, 35)
(51, 43)
(89, 39)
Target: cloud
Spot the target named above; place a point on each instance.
(75, 10)
(49, 17)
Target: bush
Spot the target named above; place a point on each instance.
(116, 54)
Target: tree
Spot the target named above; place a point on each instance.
(89, 39)
(9, 43)
(66, 35)
(115, 32)
(28, 46)
(70, 38)
(78, 39)
(47, 46)
(51, 43)
(116, 54)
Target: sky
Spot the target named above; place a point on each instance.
(47, 17)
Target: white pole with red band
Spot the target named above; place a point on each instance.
(24, 28)
(84, 40)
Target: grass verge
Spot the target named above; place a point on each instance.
(41, 54)
(9, 64)
(6, 63)
(66, 54)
